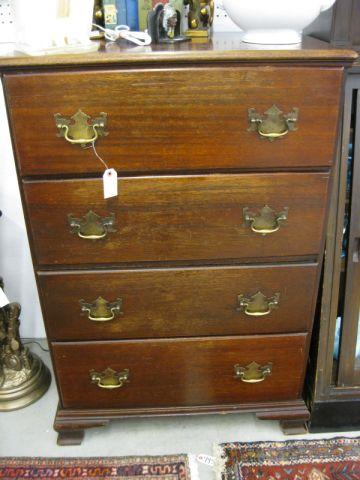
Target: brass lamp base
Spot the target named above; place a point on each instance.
(23, 387)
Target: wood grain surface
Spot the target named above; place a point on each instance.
(221, 47)
(177, 302)
(175, 119)
(188, 218)
(179, 372)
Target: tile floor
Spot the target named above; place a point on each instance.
(28, 432)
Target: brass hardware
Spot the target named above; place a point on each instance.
(23, 376)
(258, 305)
(267, 221)
(253, 373)
(80, 128)
(273, 123)
(91, 226)
(109, 378)
(101, 310)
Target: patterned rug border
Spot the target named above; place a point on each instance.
(298, 457)
(8, 464)
(295, 459)
(135, 458)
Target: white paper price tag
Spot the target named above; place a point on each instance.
(3, 299)
(206, 459)
(110, 181)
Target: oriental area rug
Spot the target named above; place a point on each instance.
(174, 467)
(333, 459)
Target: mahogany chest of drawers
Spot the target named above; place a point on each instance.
(193, 289)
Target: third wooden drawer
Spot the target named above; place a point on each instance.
(178, 302)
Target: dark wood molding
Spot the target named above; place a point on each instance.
(330, 416)
(70, 424)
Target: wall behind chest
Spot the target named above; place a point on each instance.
(15, 260)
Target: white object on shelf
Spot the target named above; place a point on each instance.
(274, 21)
(222, 21)
(53, 26)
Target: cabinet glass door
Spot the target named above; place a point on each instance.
(346, 372)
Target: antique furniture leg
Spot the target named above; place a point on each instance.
(293, 427)
(71, 425)
(292, 418)
(70, 437)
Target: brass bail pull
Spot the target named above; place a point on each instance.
(81, 129)
(101, 310)
(258, 305)
(253, 373)
(109, 379)
(92, 226)
(273, 124)
(266, 220)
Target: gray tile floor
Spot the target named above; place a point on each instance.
(28, 432)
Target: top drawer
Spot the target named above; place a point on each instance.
(174, 119)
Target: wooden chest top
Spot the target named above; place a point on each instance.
(223, 47)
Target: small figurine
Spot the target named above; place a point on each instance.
(164, 24)
(200, 17)
(98, 19)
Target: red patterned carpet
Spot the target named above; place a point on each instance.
(335, 459)
(173, 467)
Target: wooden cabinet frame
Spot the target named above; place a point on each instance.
(327, 395)
(345, 28)
(340, 25)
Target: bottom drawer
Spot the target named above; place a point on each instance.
(179, 372)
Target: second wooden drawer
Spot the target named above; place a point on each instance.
(190, 218)
(178, 302)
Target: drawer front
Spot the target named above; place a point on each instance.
(175, 119)
(164, 373)
(178, 302)
(161, 219)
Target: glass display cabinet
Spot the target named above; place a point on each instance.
(334, 372)
(339, 25)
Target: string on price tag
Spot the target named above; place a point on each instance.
(110, 178)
